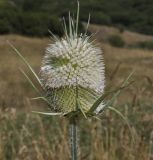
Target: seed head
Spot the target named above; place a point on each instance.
(72, 72)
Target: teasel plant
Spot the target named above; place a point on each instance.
(72, 79)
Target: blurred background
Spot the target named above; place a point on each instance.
(34, 18)
(124, 31)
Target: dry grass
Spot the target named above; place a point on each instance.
(103, 32)
(26, 136)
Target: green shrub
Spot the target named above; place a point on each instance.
(54, 24)
(9, 19)
(38, 24)
(125, 13)
(120, 27)
(143, 27)
(145, 45)
(4, 27)
(100, 18)
(116, 41)
(120, 18)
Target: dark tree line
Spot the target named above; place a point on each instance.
(35, 17)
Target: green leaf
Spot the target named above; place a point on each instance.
(116, 91)
(101, 99)
(43, 98)
(48, 113)
(124, 85)
(29, 80)
(81, 109)
(25, 61)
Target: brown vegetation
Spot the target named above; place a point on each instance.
(26, 136)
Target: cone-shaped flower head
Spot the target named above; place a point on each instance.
(72, 72)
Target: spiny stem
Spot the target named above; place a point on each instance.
(73, 139)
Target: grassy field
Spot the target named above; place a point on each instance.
(27, 136)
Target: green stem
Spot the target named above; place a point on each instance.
(73, 139)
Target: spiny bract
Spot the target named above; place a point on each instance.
(72, 73)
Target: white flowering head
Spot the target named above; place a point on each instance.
(72, 72)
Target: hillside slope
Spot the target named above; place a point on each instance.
(33, 49)
(27, 136)
(104, 32)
